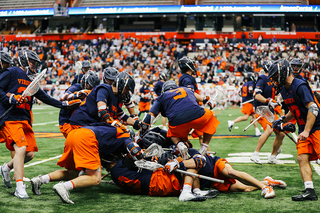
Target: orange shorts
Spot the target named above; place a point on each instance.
(144, 106)
(196, 134)
(264, 122)
(2, 137)
(21, 133)
(66, 128)
(164, 184)
(247, 109)
(218, 167)
(208, 124)
(81, 151)
(310, 146)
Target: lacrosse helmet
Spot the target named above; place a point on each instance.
(165, 157)
(5, 61)
(278, 72)
(86, 65)
(169, 85)
(125, 87)
(92, 79)
(150, 138)
(145, 82)
(296, 65)
(251, 77)
(29, 60)
(266, 65)
(186, 64)
(109, 75)
(162, 76)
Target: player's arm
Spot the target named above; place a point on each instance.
(5, 78)
(45, 98)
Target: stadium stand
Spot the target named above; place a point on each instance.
(294, 2)
(23, 4)
(88, 3)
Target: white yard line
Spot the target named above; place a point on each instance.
(45, 123)
(316, 168)
(39, 162)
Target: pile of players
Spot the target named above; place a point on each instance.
(95, 127)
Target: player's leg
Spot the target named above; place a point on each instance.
(276, 146)
(186, 193)
(18, 162)
(164, 123)
(261, 141)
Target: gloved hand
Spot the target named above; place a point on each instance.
(183, 149)
(71, 105)
(134, 116)
(80, 95)
(144, 128)
(211, 103)
(272, 104)
(289, 127)
(117, 123)
(103, 114)
(173, 165)
(136, 124)
(17, 99)
(278, 122)
(148, 96)
(203, 149)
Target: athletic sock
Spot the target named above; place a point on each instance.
(195, 190)
(45, 179)
(187, 187)
(69, 185)
(256, 153)
(308, 184)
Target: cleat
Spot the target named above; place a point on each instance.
(63, 193)
(274, 160)
(36, 182)
(188, 196)
(258, 134)
(22, 194)
(230, 125)
(208, 194)
(273, 183)
(255, 159)
(268, 192)
(308, 194)
(6, 176)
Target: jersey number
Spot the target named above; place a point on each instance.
(181, 93)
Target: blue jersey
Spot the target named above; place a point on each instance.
(247, 91)
(15, 81)
(144, 90)
(265, 88)
(158, 88)
(109, 139)
(65, 114)
(188, 81)
(77, 79)
(295, 98)
(178, 105)
(87, 113)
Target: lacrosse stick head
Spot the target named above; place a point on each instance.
(34, 86)
(149, 165)
(219, 95)
(266, 113)
(153, 150)
(78, 67)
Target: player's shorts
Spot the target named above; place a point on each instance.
(207, 123)
(66, 128)
(264, 122)
(2, 137)
(81, 151)
(218, 167)
(310, 146)
(247, 109)
(196, 134)
(164, 184)
(21, 133)
(144, 106)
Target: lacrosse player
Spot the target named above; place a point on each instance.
(157, 90)
(300, 100)
(247, 100)
(264, 95)
(188, 69)
(85, 67)
(82, 151)
(145, 97)
(75, 94)
(180, 106)
(16, 125)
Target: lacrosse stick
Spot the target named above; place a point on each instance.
(261, 110)
(167, 149)
(32, 89)
(152, 166)
(156, 119)
(247, 101)
(153, 150)
(77, 68)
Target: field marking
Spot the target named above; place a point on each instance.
(39, 162)
(39, 113)
(45, 123)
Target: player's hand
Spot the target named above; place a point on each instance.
(303, 136)
(183, 149)
(134, 117)
(117, 123)
(17, 99)
(80, 95)
(208, 101)
(272, 104)
(278, 122)
(173, 165)
(71, 105)
(144, 128)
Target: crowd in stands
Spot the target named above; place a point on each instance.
(218, 60)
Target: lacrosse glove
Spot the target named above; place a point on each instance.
(173, 165)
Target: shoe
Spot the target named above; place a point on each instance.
(63, 193)
(274, 160)
(22, 194)
(308, 194)
(188, 196)
(230, 125)
(279, 151)
(258, 133)
(268, 192)
(6, 176)
(255, 159)
(208, 193)
(273, 183)
(36, 182)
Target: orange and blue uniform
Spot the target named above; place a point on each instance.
(184, 113)
(247, 95)
(144, 103)
(296, 98)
